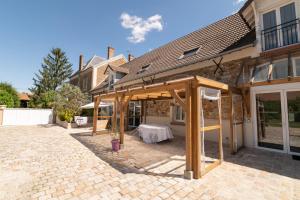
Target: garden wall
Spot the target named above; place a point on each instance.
(26, 116)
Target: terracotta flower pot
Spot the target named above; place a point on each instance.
(115, 144)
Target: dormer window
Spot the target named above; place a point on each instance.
(189, 53)
(143, 69)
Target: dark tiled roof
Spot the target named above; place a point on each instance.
(212, 40)
(101, 87)
(117, 69)
(246, 40)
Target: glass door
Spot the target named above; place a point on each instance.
(270, 131)
(293, 116)
(134, 114)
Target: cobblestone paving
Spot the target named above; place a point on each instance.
(48, 163)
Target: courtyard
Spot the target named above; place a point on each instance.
(49, 162)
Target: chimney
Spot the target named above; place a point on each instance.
(80, 62)
(130, 57)
(110, 52)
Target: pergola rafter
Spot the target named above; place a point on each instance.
(190, 104)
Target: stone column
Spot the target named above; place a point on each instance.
(2, 107)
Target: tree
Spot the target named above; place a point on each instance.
(8, 88)
(6, 99)
(68, 102)
(44, 100)
(56, 69)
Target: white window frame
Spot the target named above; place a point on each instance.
(278, 17)
(261, 65)
(181, 113)
(294, 65)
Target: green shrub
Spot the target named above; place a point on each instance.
(66, 115)
(68, 102)
(13, 93)
(6, 99)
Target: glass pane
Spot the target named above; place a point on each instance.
(293, 101)
(288, 13)
(280, 70)
(261, 73)
(177, 112)
(269, 121)
(270, 30)
(297, 67)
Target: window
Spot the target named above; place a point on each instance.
(179, 114)
(289, 25)
(189, 53)
(297, 67)
(270, 30)
(280, 70)
(261, 73)
(143, 69)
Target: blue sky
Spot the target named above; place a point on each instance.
(29, 29)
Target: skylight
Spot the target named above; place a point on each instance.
(189, 53)
(143, 69)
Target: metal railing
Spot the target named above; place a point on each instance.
(281, 35)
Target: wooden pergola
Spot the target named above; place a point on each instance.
(191, 106)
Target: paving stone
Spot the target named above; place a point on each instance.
(49, 162)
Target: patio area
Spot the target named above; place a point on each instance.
(165, 158)
(49, 162)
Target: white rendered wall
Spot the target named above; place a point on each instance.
(24, 116)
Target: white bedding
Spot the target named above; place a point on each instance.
(153, 133)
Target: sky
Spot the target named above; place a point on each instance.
(30, 29)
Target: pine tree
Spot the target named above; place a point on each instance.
(56, 69)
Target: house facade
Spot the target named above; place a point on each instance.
(92, 74)
(255, 51)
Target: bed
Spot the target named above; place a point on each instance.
(154, 133)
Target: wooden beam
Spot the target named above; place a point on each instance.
(178, 99)
(188, 130)
(196, 143)
(95, 118)
(231, 134)
(210, 83)
(211, 128)
(122, 128)
(221, 157)
(114, 117)
(211, 166)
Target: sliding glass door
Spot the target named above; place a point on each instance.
(277, 118)
(293, 112)
(269, 120)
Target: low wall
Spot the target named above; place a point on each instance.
(26, 116)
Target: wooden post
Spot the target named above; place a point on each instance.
(142, 112)
(231, 135)
(114, 117)
(122, 121)
(196, 143)
(188, 131)
(221, 157)
(95, 118)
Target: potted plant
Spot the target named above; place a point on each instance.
(115, 142)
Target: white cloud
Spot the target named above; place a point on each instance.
(236, 2)
(140, 27)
